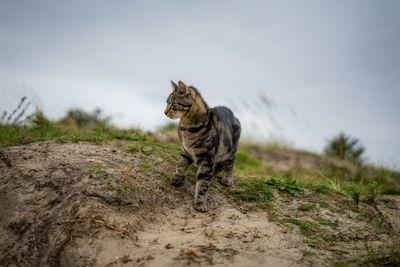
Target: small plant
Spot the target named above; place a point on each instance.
(355, 193)
(111, 182)
(335, 185)
(40, 121)
(289, 185)
(372, 193)
(345, 147)
(75, 137)
(306, 207)
(326, 187)
(96, 170)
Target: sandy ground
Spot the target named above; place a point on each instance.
(54, 212)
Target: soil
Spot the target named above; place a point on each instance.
(59, 209)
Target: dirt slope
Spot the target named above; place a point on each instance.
(100, 205)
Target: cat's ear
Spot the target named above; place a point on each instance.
(183, 89)
(174, 86)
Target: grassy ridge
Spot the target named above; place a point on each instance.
(319, 173)
(43, 130)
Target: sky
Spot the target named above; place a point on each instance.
(296, 72)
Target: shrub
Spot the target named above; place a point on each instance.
(81, 118)
(345, 147)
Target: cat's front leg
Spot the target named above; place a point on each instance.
(204, 175)
(180, 172)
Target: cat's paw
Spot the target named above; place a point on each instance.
(177, 181)
(226, 181)
(200, 207)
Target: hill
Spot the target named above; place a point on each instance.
(100, 196)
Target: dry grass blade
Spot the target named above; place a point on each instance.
(17, 119)
(16, 110)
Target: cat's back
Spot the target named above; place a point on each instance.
(224, 117)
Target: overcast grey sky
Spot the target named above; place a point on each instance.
(328, 66)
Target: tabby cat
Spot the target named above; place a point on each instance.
(209, 137)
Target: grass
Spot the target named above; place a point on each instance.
(96, 170)
(258, 190)
(385, 255)
(333, 224)
(305, 207)
(371, 193)
(288, 185)
(16, 135)
(140, 148)
(358, 182)
(390, 190)
(332, 185)
(355, 193)
(144, 167)
(40, 128)
(306, 227)
(254, 190)
(324, 205)
(245, 163)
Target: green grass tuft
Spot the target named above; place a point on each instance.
(96, 170)
(254, 190)
(289, 185)
(324, 205)
(147, 150)
(354, 191)
(371, 193)
(306, 207)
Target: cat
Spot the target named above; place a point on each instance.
(209, 137)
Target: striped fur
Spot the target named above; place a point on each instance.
(209, 138)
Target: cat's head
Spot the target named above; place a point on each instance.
(181, 101)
